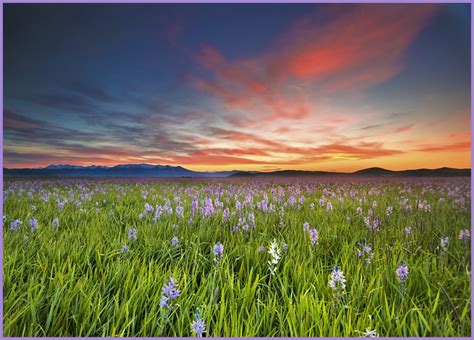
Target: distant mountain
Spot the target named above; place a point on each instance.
(418, 172)
(149, 170)
(122, 170)
(375, 172)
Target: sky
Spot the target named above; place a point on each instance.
(337, 87)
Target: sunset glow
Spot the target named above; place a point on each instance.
(248, 87)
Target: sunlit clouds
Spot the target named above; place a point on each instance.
(323, 87)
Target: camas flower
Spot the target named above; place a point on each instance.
(337, 281)
(15, 225)
(198, 326)
(174, 241)
(56, 222)
(33, 224)
(218, 251)
(464, 235)
(402, 272)
(169, 292)
(132, 234)
(370, 333)
(275, 253)
(314, 235)
(444, 243)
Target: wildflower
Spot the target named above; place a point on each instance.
(180, 211)
(148, 208)
(225, 214)
(408, 231)
(444, 243)
(198, 326)
(402, 272)
(306, 226)
(15, 225)
(359, 210)
(285, 247)
(365, 251)
(337, 281)
(314, 235)
(132, 234)
(164, 302)
(169, 292)
(329, 206)
(56, 222)
(125, 249)
(261, 249)
(464, 235)
(251, 218)
(370, 333)
(33, 224)
(275, 253)
(218, 251)
(174, 241)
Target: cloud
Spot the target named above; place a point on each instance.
(370, 127)
(453, 147)
(404, 128)
(460, 135)
(359, 47)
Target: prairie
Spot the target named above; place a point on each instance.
(300, 257)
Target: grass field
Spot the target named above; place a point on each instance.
(96, 257)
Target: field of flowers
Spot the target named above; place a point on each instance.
(237, 257)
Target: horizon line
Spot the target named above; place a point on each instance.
(236, 170)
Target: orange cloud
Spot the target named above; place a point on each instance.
(454, 147)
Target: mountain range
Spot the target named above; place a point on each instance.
(148, 170)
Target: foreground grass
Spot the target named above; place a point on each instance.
(75, 280)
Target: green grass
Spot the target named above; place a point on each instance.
(75, 281)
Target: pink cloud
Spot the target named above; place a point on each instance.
(356, 49)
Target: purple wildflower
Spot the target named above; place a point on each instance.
(15, 225)
(148, 208)
(225, 214)
(337, 281)
(402, 272)
(464, 235)
(218, 251)
(169, 292)
(198, 326)
(132, 234)
(33, 224)
(314, 235)
(174, 241)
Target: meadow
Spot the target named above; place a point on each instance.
(329, 257)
